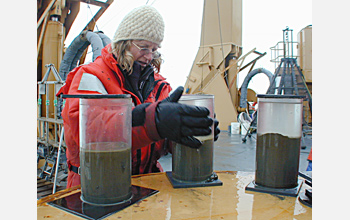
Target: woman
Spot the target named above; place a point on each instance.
(131, 65)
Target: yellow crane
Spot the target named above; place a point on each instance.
(220, 59)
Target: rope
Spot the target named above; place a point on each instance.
(116, 14)
(152, 2)
(222, 48)
(88, 5)
(202, 35)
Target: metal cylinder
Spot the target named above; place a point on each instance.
(279, 131)
(189, 164)
(52, 50)
(105, 149)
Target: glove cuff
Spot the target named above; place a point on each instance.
(150, 122)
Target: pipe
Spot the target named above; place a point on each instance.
(72, 55)
(77, 47)
(244, 87)
(96, 44)
(105, 39)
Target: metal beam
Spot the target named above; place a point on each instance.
(45, 13)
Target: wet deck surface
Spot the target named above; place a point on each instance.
(230, 153)
(228, 201)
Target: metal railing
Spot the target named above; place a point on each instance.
(285, 48)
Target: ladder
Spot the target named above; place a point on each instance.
(289, 80)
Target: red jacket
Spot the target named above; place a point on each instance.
(145, 149)
(310, 155)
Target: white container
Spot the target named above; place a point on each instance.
(235, 126)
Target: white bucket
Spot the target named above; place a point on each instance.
(235, 127)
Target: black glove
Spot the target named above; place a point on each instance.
(139, 114)
(175, 96)
(180, 122)
(216, 129)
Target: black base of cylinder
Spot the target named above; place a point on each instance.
(73, 204)
(252, 186)
(106, 204)
(177, 184)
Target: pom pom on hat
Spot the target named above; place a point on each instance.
(142, 23)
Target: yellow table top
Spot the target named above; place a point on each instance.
(229, 201)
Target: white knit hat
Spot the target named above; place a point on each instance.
(142, 23)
